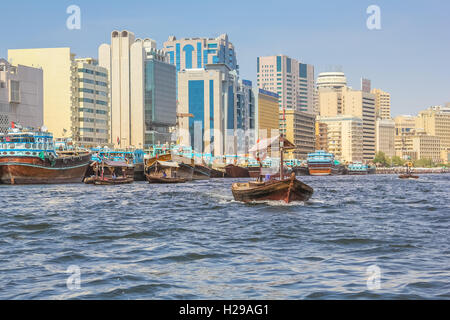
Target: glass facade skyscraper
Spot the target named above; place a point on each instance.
(159, 100)
(195, 53)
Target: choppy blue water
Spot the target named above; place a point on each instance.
(193, 241)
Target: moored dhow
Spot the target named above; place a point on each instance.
(134, 158)
(28, 156)
(320, 163)
(234, 171)
(358, 168)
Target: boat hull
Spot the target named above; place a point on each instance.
(254, 172)
(408, 176)
(301, 171)
(319, 169)
(236, 171)
(27, 170)
(139, 174)
(201, 172)
(162, 180)
(285, 190)
(217, 173)
(357, 173)
(320, 172)
(108, 181)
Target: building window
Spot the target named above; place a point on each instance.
(15, 91)
(196, 108)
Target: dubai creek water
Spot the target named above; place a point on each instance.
(359, 237)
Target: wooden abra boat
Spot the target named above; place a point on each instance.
(29, 156)
(163, 172)
(409, 174)
(185, 168)
(287, 190)
(109, 172)
(108, 180)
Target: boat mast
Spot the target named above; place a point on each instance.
(281, 156)
(282, 143)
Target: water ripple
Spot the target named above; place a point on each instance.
(194, 241)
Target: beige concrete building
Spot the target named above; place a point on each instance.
(345, 137)
(445, 156)
(143, 90)
(76, 94)
(385, 137)
(329, 102)
(321, 136)
(331, 80)
(346, 101)
(21, 96)
(427, 147)
(92, 122)
(382, 104)
(417, 144)
(299, 129)
(435, 121)
(405, 127)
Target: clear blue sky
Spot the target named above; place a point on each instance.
(409, 56)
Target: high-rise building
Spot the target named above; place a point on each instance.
(21, 96)
(266, 113)
(427, 147)
(420, 145)
(321, 136)
(246, 103)
(143, 91)
(76, 94)
(362, 105)
(346, 101)
(435, 121)
(385, 137)
(405, 126)
(292, 80)
(208, 95)
(194, 53)
(382, 104)
(345, 137)
(93, 120)
(331, 80)
(329, 102)
(299, 129)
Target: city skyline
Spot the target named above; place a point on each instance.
(413, 70)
